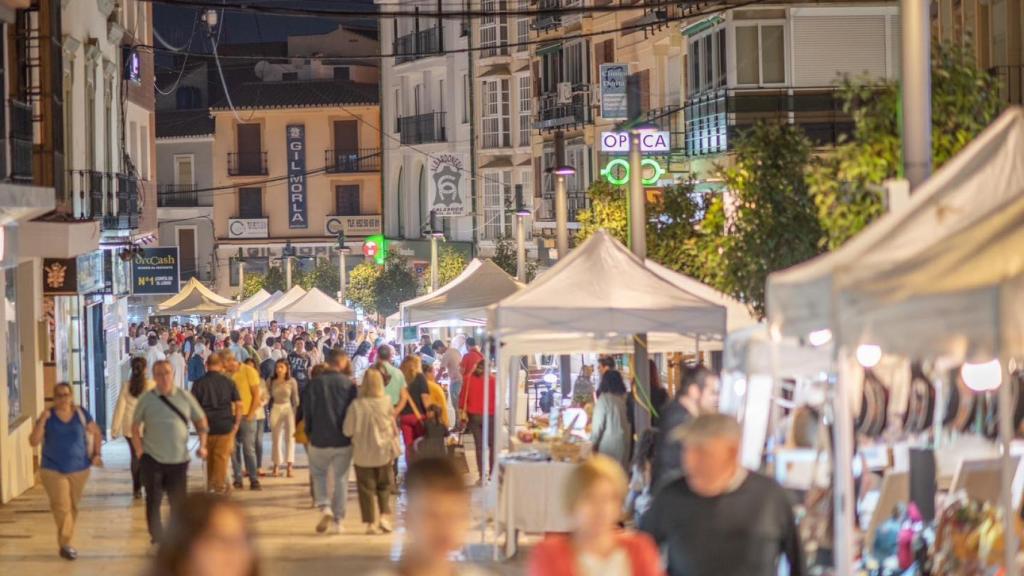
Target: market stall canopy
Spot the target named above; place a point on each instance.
(194, 298)
(738, 314)
(250, 314)
(249, 303)
(265, 312)
(596, 299)
(314, 306)
(939, 274)
(467, 297)
(752, 351)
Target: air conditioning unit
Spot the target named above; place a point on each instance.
(565, 92)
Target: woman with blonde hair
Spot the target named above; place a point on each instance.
(370, 424)
(412, 404)
(594, 494)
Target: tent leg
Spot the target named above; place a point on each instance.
(842, 459)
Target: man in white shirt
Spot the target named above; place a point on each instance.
(154, 353)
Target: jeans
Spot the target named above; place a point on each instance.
(322, 460)
(136, 469)
(245, 449)
(260, 424)
(476, 428)
(159, 478)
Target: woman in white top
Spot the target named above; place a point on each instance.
(284, 399)
(135, 386)
(361, 361)
(370, 422)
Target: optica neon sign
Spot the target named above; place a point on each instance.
(616, 171)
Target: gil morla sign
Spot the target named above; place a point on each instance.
(297, 217)
(155, 271)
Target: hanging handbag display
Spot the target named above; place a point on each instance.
(920, 402)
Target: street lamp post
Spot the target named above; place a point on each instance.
(343, 251)
(521, 215)
(638, 245)
(562, 210)
(435, 232)
(288, 252)
(241, 272)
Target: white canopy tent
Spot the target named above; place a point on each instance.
(941, 278)
(249, 303)
(264, 313)
(465, 298)
(194, 298)
(250, 314)
(314, 306)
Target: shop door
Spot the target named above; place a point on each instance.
(97, 370)
(187, 253)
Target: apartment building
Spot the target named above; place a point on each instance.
(993, 31)
(427, 107)
(503, 116)
(296, 160)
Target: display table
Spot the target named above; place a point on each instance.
(532, 499)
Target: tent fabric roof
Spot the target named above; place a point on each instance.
(249, 303)
(738, 314)
(250, 314)
(597, 296)
(195, 298)
(936, 277)
(265, 312)
(314, 306)
(467, 297)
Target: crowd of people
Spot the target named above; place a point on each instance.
(351, 403)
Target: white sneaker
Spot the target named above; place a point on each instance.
(384, 526)
(337, 528)
(372, 530)
(324, 523)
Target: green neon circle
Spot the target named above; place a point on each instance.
(658, 171)
(610, 176)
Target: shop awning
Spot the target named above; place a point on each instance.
(314, 306)
(467, 297)
(195, 298)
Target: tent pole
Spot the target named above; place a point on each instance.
(842, 458)
(1005, 439)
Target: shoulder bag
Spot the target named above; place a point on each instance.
(90, 444)
(174, 408)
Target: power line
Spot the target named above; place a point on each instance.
(184, 64)
(406, 13)
(488, 47)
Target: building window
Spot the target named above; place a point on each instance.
(494, 29)
(498, 192)
(496, 114)
(184, 174)
(342, 73)
(760, 54)
(346, 200)
(250, 203)
(258, 265)
(523, 29)
(188, 97)
(708, 64)
(525, 110)
(575, 66)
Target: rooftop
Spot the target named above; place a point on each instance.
(300, 94)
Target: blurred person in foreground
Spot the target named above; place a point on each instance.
(720, 519)
(594, 493)
(437, 521)
(696, 394)
(208, 536)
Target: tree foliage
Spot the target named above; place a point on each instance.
(272, 281)
(450, 263)
(505, 258)
(362, 286)
(608, 211)
(770, 221)
(846, 185)
(381, 289)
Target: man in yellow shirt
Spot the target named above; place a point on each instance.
(247, 380)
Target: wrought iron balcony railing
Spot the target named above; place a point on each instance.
(247, 163)
(357, 160)
(423, 128)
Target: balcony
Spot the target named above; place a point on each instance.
(128, 207)
(546, 22)
(247, 163)
(423, 128)
(416, 45)
(21, 141)
(577, 201)
(96, 182)
(554, 114)
(181, 196)
(714, 119)
(358, 160)
(1012, 80)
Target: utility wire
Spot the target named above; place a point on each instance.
(496, 46)
(184, 64)
(461, 14)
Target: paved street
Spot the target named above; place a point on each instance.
(112, 539)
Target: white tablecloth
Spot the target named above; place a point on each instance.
(532, 496)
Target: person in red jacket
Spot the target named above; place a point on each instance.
(470, 358)
(472, 410)
(597, 546)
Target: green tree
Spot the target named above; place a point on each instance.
(324, 276)
(608, 211)
(505, 258)
(396, 284)
(846, 185)
(770, 221)
(362, 286)
(450, 263)
(272, 281)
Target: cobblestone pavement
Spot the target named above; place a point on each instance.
(112, 540)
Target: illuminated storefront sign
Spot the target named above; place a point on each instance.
(650, 141)
(616, 171)
(376, 248)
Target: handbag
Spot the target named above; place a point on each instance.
(90, 442)
(457, 454)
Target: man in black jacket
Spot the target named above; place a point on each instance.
(325, 401)
(697, 393)
(722, 520)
